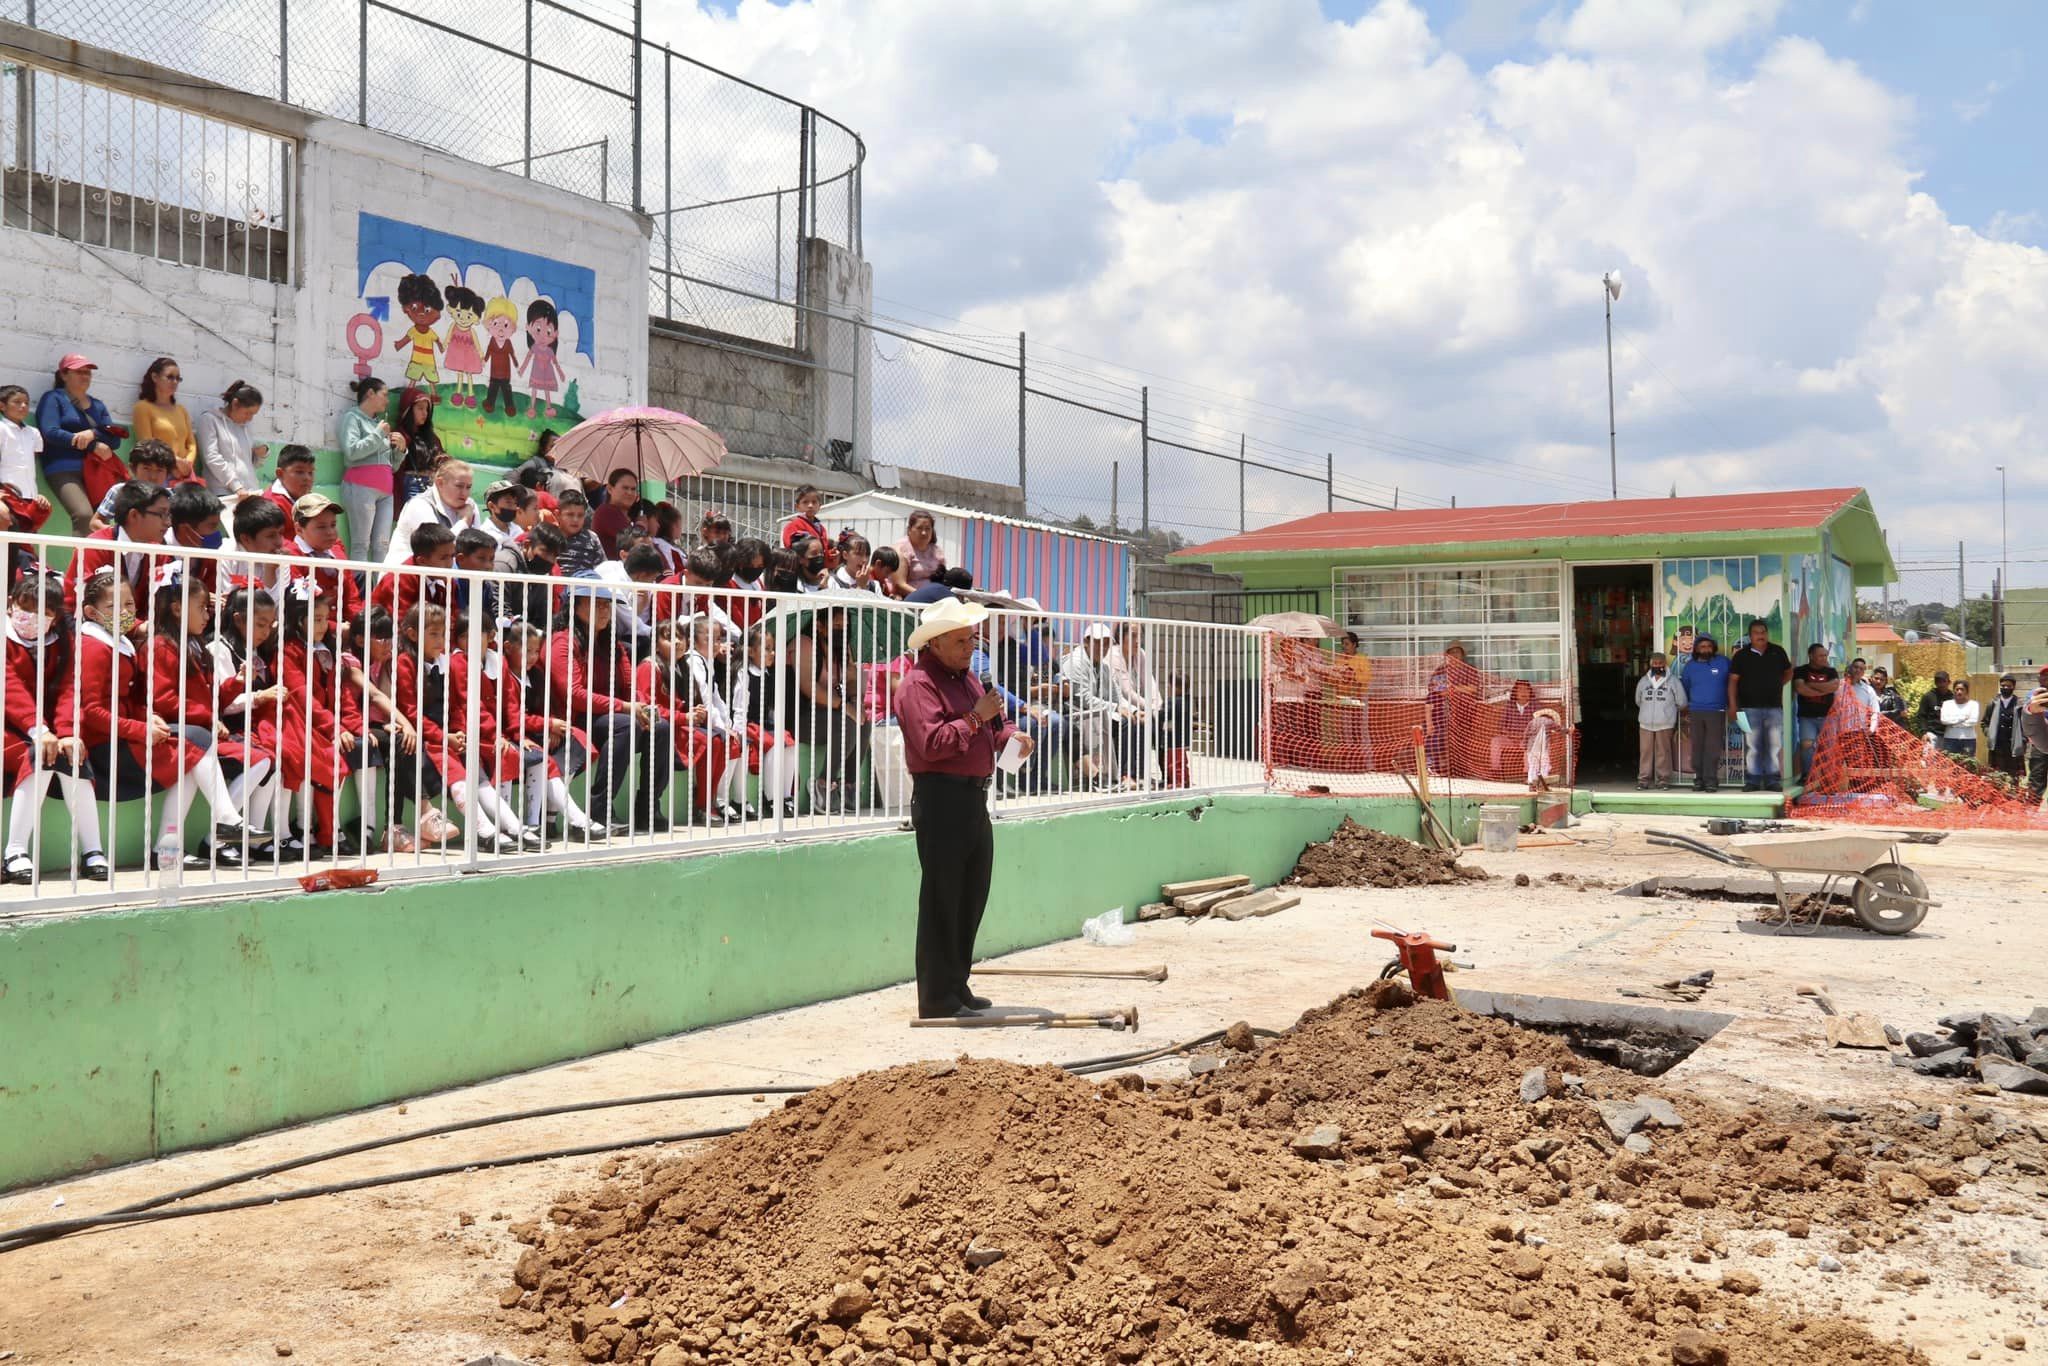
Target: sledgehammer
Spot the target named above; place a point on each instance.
(1157, 974)
(1119, 1020)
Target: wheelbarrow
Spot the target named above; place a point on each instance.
(1888, 897)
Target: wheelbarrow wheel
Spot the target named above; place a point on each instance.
(1890, 899)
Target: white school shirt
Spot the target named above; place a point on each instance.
(19, 447)
(704, 693)
(421, 508)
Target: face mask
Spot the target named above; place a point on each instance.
(213, 540)
(1657, 670)
(128, 621)
(503, 514)
(27, 625)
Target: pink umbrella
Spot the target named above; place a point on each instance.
(652, 442)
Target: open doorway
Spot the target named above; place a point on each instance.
(1614, 623)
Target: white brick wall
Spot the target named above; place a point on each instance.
(124, 310)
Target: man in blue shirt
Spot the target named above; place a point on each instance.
(1046, 727)
(1705, 680)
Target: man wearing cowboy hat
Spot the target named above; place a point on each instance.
(953, 728)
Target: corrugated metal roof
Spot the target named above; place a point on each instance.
(1333, 531)
(910, 505)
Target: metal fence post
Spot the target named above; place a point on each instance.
(1240, 483)
(284, 52)
(1962, 602)
(1023, 488)
(803, 178)
(1145, 460)
(1329, 481)
(363, 62)
(527, 68)
(638, 64)
(668, 177)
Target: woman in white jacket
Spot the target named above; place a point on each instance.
(1959, 717)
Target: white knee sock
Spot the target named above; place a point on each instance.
(501, 812)
(472, 811)
(210, 781)
(28, 805)
(778, 771)
(560, 800)
(733, 766)
(84, 805)
(251, 789)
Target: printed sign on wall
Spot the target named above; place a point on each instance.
(501, 338)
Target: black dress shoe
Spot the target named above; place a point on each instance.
(976, 1002)
(956, 1013)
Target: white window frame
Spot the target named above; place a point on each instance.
(1413, 637)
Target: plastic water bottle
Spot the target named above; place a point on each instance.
(170, 860)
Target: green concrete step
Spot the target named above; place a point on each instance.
(1681, 802)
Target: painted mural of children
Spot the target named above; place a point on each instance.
(419, 298)
(465, 308)
(545, 375)
(501, 321)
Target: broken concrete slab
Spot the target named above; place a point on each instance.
(1622, 1119)
(2013, 1077)
(1951, 1062)
(1268, 901)
(1168, 891)
(1325, 1140)
(1925, 1045)
(1662, 1112)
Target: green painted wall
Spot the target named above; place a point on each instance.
(131, 1033)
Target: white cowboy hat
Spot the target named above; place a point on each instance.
(947, 614)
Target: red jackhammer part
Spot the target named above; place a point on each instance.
(1418, 958)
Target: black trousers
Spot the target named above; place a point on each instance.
(2037, 772)
(617, 740)
(956, 854)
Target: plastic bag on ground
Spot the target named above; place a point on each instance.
(1109, 930)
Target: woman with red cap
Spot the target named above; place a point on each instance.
(79, 437)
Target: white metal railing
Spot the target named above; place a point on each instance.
(110, 169)
(571, 719)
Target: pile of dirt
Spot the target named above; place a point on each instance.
(1367, 1187)
(1355, 856)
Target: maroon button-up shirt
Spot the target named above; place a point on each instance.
(932, 703)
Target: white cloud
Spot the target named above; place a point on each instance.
(1379, 233)
(1979, 104)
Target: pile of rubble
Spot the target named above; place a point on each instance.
(1356, 856)
(1999, 1050)
(1383, 1182)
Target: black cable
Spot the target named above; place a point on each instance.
(152, 1209)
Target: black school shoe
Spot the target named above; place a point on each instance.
(953, 1013)
(976, 1002)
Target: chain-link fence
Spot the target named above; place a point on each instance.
(735, 177)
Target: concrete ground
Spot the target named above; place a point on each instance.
(411, 1273)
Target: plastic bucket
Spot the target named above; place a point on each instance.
(1498, 826)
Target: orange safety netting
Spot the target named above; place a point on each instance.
(1333, 719)
(1869, 769)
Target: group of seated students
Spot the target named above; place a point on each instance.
(271, 688)
(276, 690)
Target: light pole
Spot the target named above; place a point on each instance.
(1610, 284)
(2004, 571)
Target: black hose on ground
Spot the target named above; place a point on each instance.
(153, 1209)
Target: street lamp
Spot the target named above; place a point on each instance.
(2004, 571)
(1611, 286)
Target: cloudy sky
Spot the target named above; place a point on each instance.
(1379, 228)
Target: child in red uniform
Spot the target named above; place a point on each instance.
(184, 691)
(313, 726)
(433, 550)
(664, 678)
(319, 538)
(553, 750)
(771, 751)
(500, 755)
(589, 684)
(366, 676)
(430, 697)
(138, 750)
(243, 654)
(40, 743)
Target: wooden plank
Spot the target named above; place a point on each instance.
(1206, 901)
(1170, 891)
(1157, 910)
(1263, 902)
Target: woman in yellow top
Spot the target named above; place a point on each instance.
(160, 417)
(1359, 665)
